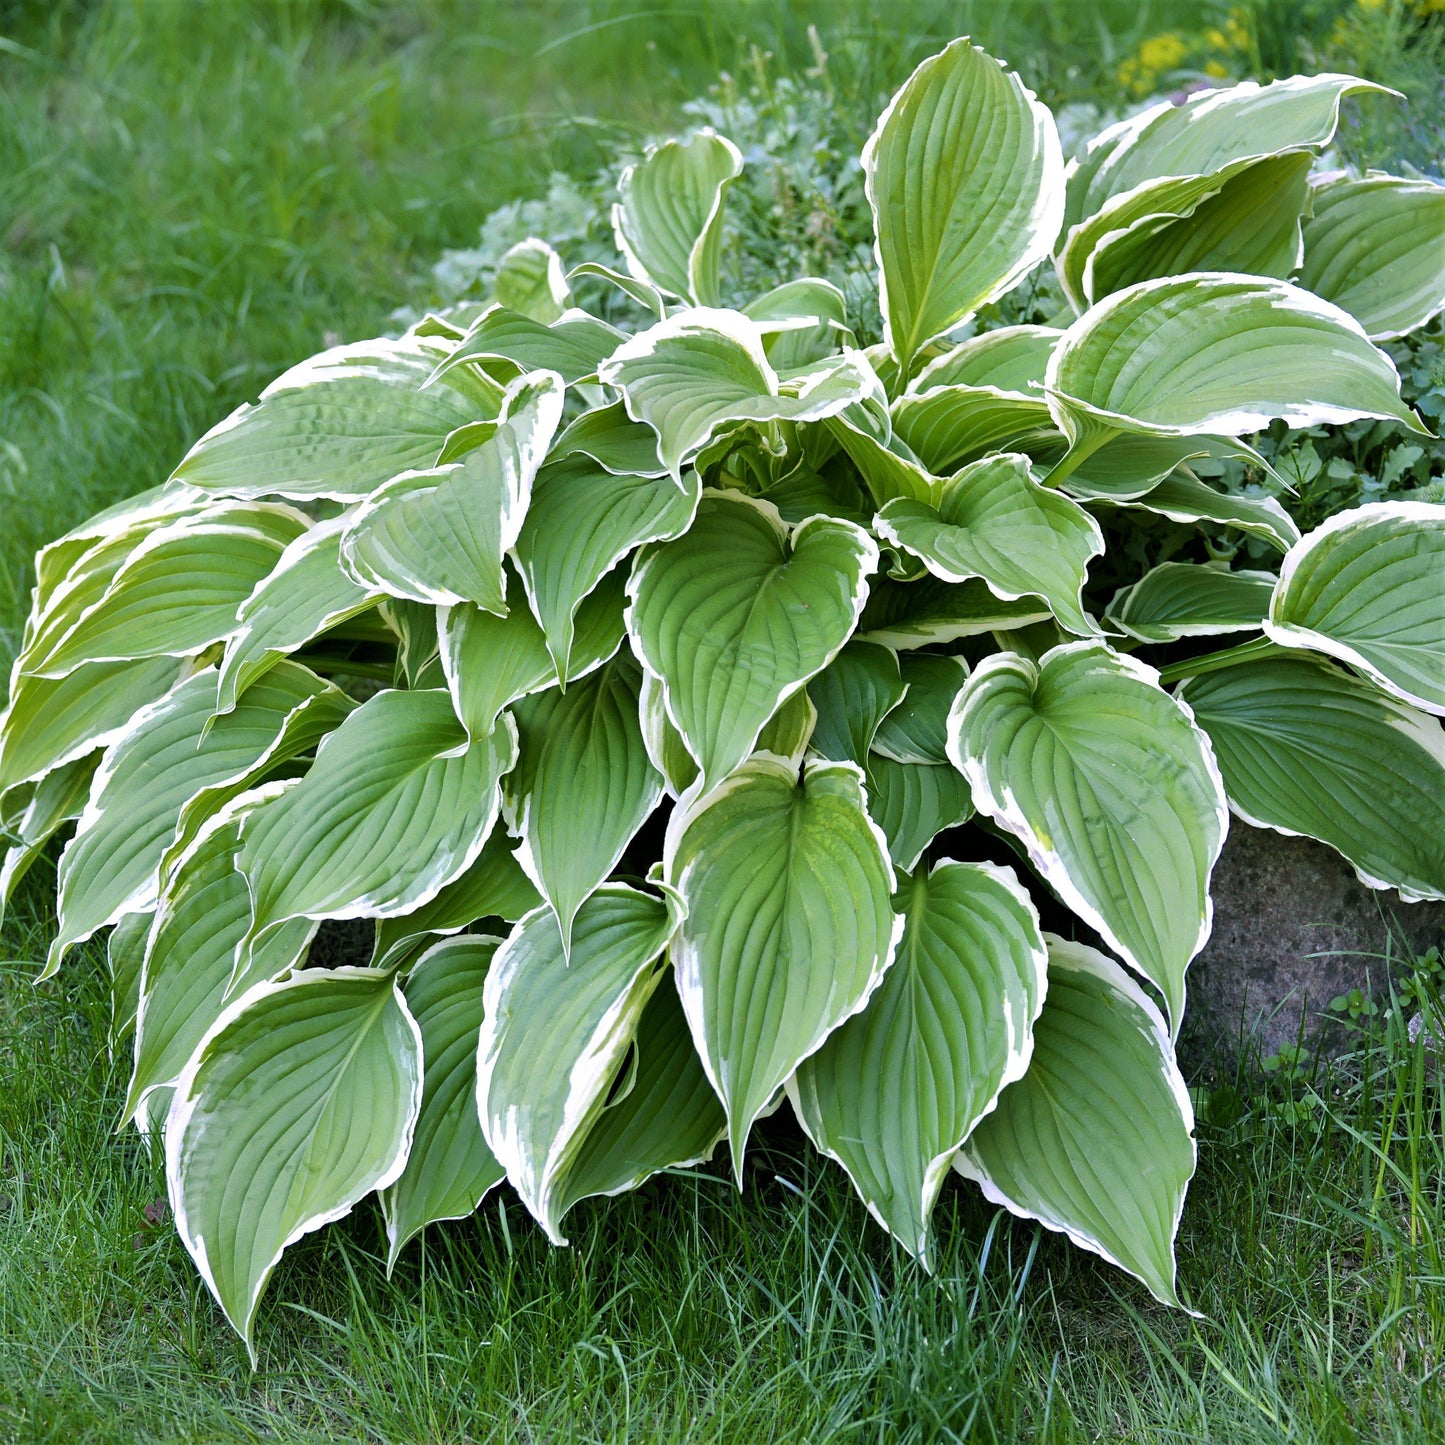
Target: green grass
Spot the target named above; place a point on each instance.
(193, 196)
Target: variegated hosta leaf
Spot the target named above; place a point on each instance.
(897, 1088)
(994, 521)
(178, 591)
(1185, 599)
(340, 424)
(1129, 465)
(888, 466)
(583, 521)
(964, 176)
(1112, 789)
(807, 320)
(1011, 359)
(916, 614)
(583, 785)
(190, 968)
(1368, 587)
(1182, 497)
(304, 594)
(1096, 1140)
(668, 223)
(397, 804)
(804, 493)
(1221, 354)
(572, 346)
(300, 1102)
(619, 445)
(1373, 246)
(644, 293)
(789, 925)
(946, 426)
(493, 887)
(440, 536)
(124, 959)
(151, 774)
(1305, 748)
(913, 803)
(688, 375)
(450, 1168)
(529, 279)
(916, 731)
(736, 615)
(557, 1031)
(853, 695)
(57, 799)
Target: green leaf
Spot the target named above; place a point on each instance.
(668, 223)
(397, 804)
(964, 176)
(124, 957)
(490, 661)
(1112, 789)
(853, 695)
(807, 320)
(946, 426)
(913, 803)
(529, 279)
(644, 293)
(557, 1030)
(300, 1102)
(1182, 497)
(779, 870)
(688, 375)
(1221, 354)
(1012, 360)
(888, 466)
(57, 799)
(450, 1169)
(736, 615)
(1372, 246)
(572, 346)
(1368, 587)
(916, 614)
(916, 731)
(1130, 465)
(340, 424)
(1096, 1140)
(440, 536)
(583, 785)
(619, 445)
(1305, 748)
(581, 523)
(897, 1088)
(1185, 599)
(994, 521)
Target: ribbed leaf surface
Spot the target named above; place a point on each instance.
(853, 695)
(916, 614)
(913, 803)
(916, 731)
(1185, 599)
(572, 345)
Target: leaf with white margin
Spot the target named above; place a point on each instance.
(583, 784)
(449, 1169)
(1374, 246)
(397, 804)
(493, 887)
(669, 1118)
(529, 279)
(946, 426)
(57, 799)
(154, 770)
(1187, 599)
(178, 591)
(1112, 789)
(304, 594)
(1012, 359)
(1183, 497)
(906, 615)
(964, 176)
(556, 1032)
(582, 521)
(688, 375)
(299, 1103)
(1218, 353)
(340, 424)
(619, 445)
(737, 615)
(440, 536)
(853, 695)
(790, 927)
(1307, 749)
(916, 731)
(897, 1088)
(668, 223)
(572, 346)
(886, 463)
(189, 971)
(1130, 465)
(644, 293)
(124, 956)
(1368, 587)
(913, 803)
(807, 320)
(994, 521)
(1096, 1140)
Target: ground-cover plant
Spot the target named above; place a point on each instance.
(645, 685)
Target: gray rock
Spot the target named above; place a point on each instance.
(1293, 928)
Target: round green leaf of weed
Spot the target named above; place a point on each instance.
(735, 616)
(450, 1168)
(1368, 587)
(1185, 599)
(1307, 749)
(1111, 788)
(965, 177)
(1095, 1141)
(789, 925)
(896, 1089)
(299, 1103)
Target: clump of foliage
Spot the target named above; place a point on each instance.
(644, 686)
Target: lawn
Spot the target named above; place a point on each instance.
(196, 195)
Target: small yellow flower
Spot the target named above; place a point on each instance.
(1216, 70)
(1163, 52)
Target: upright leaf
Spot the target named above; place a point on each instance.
(529, 279)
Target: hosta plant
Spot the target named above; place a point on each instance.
(712, 711)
